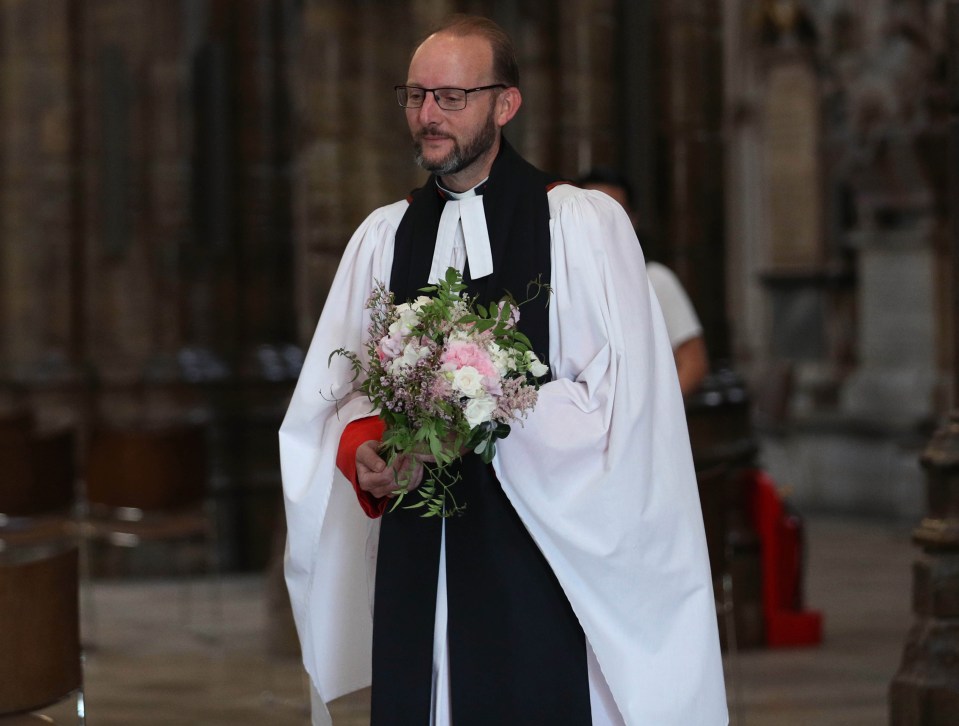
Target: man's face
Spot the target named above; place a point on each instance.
(465, 149)
(448, 142)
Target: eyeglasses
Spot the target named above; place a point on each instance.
(448, 99)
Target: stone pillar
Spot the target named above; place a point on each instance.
(41, 220)
(636, 67)
(265, 313)
(35, 183)
(925, 690)
(689, 99)
(137, 148)
(586, 92)
(534, 131)
(352, 148)
(319, 217)
(241, 338)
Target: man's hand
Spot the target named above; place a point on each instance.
(380, 480)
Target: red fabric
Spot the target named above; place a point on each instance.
(355, 434)
(780, 537)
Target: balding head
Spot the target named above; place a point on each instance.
(505, 68)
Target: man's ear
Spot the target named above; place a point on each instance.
(507, 104)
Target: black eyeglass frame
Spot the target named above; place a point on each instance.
(435, 92)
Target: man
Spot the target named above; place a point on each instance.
(682, 323)
(575, 588)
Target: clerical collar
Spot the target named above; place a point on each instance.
(449, 194)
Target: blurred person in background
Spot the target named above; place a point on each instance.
(682, 323)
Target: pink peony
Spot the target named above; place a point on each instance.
(460, 353)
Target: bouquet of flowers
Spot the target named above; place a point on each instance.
(449, 376)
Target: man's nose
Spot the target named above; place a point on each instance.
(429, 112)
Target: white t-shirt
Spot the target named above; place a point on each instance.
(682, 323)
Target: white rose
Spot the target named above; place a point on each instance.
(479, 410)
(468, 381)
(536, 367)
(406, 321)
(419, 302)
(500, 359)
(411, 354)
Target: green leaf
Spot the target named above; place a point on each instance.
(397, 500)
(436, 446)
(522, 339)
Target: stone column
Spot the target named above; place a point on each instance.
(351, 142)
(35, 182)
(689, 99)
(586, 92)
(262, 120)
(320, 230)
(636, 68)
(41, 221)
(925, 690)
(534, 131)
(135, 154)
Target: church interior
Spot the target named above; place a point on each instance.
(178, 181)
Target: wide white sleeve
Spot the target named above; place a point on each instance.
(331, 595)
(602, 475)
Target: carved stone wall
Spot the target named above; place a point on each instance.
(135, 163)
(146, 222)
(178, 181)
(145, 172)
(842, 331)
(38, 173)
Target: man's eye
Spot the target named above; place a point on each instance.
(448, 95)
(415, 95)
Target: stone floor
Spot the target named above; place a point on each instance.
(153, 662)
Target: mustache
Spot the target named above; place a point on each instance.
(432, 131)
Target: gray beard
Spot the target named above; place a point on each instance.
(459, 157)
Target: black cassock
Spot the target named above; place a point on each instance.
(517, 654)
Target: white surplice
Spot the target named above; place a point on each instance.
(600, 473)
